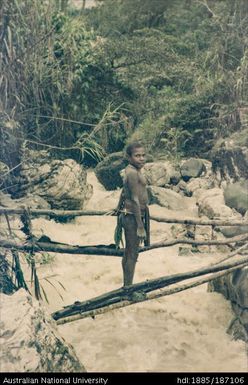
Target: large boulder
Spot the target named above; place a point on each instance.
(108, 171)
(161, 173)
(236, 196)
(211, 203)
(238, 288)
(195, 185)
(166, 198)
(30, 341)
(62, 183)
(230, 157)
(234, 287)
(192, 168)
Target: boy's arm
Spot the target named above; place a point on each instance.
(120, 203)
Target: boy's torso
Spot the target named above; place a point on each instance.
(141, 189)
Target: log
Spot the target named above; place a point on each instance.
(75, 213)
(109, 250)
(202, 222)
(55, 247)
(238, 238)
(233, 253)
(124, 293)
(156, 295)
(52, 213)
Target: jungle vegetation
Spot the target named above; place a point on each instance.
(82, 82)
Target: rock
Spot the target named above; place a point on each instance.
(166, 198)
(211, 203)
(230, 157)
(238, 284)
(182, 187)
(62, 183)
(236, 196)
(156, 174)
(32, 201)
(175, 178)
(161, 173)
(199, 183)
(192, 168)
(237, 330)
(30, 341)
(233, 231)
(195, 187)
(234, 287)
(108, 171)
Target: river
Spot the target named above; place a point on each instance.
(182, 332)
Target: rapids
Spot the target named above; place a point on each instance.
(181, 332)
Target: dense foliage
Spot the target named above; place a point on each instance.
(173, 73)
(187, 63)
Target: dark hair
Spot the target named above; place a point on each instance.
(131, 146)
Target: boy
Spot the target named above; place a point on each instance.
(134, 210)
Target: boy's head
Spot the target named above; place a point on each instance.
(135, 152)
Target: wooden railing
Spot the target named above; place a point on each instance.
(134, 293)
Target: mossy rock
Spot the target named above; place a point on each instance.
(230, 156)
(108, 171)
(236, 196)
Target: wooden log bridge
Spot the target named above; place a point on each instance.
(134, 293)
(153, 295)
(110, 250)
(138, 292)
(75, 213)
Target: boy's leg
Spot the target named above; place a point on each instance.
(131, 250)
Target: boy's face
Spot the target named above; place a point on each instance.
(137, 159)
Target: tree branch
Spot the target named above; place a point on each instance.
(109, 250)
(75, 213)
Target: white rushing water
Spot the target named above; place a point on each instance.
(181, 332)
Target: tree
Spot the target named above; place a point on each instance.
(185, 62)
